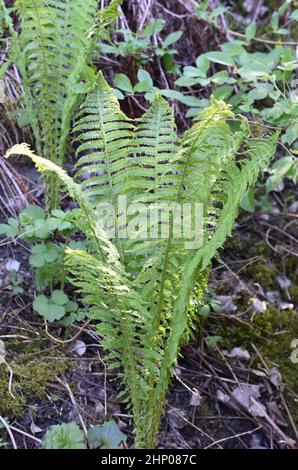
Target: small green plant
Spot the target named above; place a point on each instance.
(64, 436)
(139, 288)
(15, 283)
(142, 48)
(106, 436)
(255, 82)
(34, 227)
(58, 307)
(70, 436)
(10, 229)
(146, 87)
(53, 308)
(46, 259)
(284, 167)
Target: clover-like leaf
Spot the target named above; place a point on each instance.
(51, 308)
(64, 436)
(44, 253)
(31, 213)
(106, 436)
(11, 229)
(59, 298)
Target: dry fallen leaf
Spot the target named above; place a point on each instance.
(238, 353)
(276, 378)
(247, 395)
(12, 265)
(226, 302)
(176, 418)
(285, 306)
(2, 352)
(78, 348)
(276, 415)
(259, 305)
(221, 396)
(196, 399)
(273, 296)
(283, 281)
(35, 429)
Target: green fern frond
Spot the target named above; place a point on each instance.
(106, 135)
(53, 51)
(156, 144)
(140, 289)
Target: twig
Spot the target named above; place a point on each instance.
(193, 425)
(105, 384)
(39, 441)
(74, 403)
(233, 437)
(68, 340)
(145, 14)
(265, 41)
(8, 429)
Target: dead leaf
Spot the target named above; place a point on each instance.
(285, 306)
(276, 379)
(238, 353)
(12, 265)
(99, 409)
(176, 418)
(196, 399)
(283, 281)
(35, 429)
(2, 352)
(259, 305)
(246, 395)
(78, 348)
(226, 302)
(273, 296)
(221, 396)
(275, 413)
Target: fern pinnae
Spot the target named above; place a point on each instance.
(141, 298)
(53, 51)
(102, 127)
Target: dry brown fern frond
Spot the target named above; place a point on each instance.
(14, 193)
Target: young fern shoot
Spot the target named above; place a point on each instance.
(139, 287)
(53, 51)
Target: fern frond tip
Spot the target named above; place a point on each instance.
(18, 149)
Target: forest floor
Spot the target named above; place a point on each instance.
(235, 385)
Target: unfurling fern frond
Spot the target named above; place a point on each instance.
(140, 287)
(106, 137)
(52, 52)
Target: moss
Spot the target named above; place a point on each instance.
(30, 380)
(261, 248)
(272, 333)
(293, 291)
(264, 273)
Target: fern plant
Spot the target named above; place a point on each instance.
(139, 288)
(53, 52)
